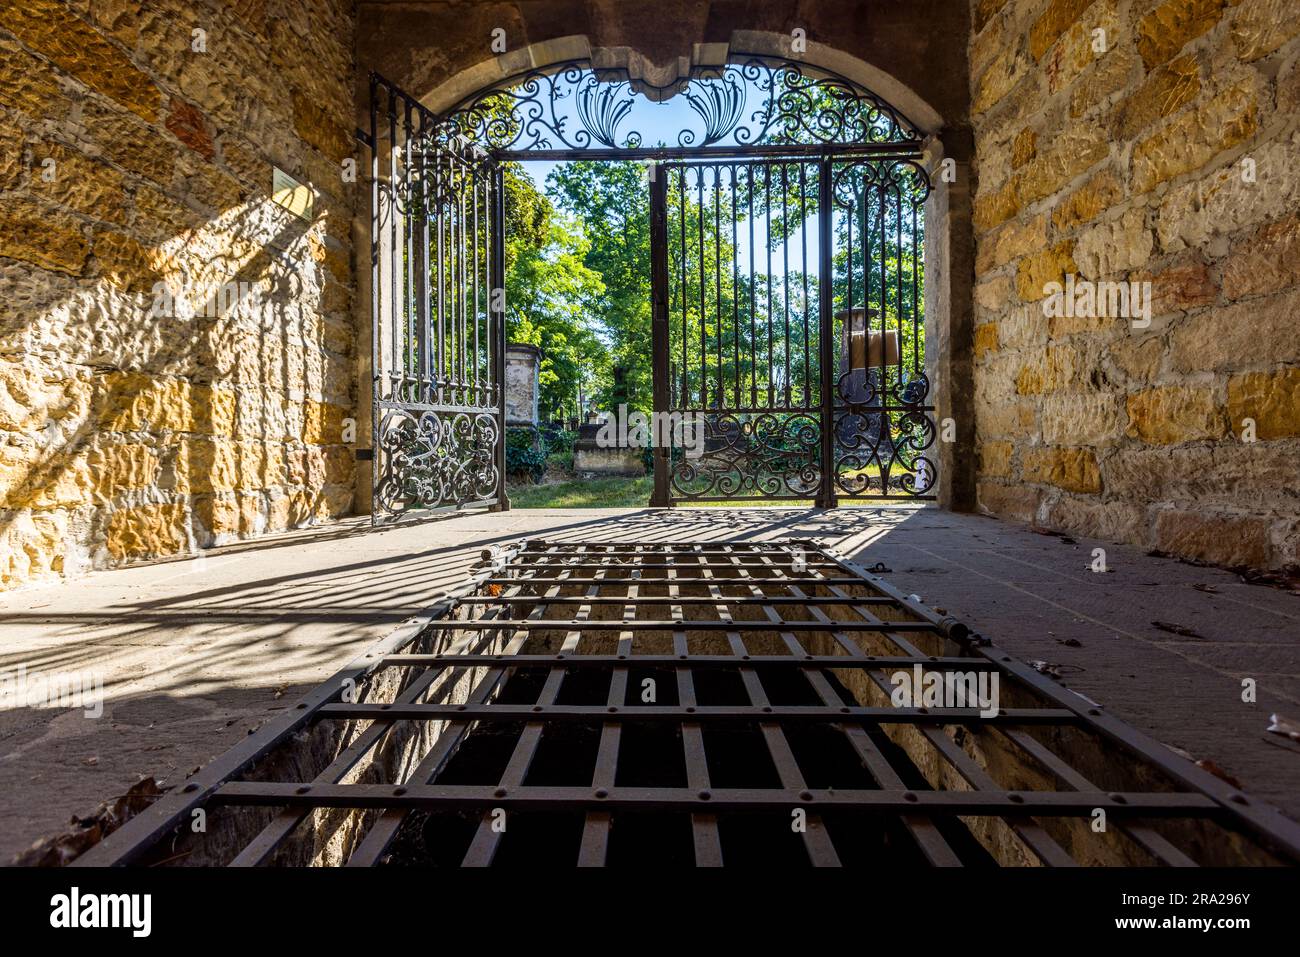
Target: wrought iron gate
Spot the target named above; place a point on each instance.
(787, 240)
(436, 259)
(788, 310)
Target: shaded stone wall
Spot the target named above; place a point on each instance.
(421, 44)
(136, 151)
(1166, 155)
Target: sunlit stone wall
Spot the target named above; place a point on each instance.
(1140, 141)
(175, 348)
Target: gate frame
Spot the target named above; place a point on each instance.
(427, 130)
(830, 402)
(820, 65)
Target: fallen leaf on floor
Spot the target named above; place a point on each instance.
(90, 762)
(1284, 726)
(1200, 586)
(1070, 642)
(1178, 629)
(84, 833)
(1205, 764)
(1046, 668)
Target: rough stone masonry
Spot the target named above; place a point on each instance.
(137, 148)
(1141, 141)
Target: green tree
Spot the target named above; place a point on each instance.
(553, 301)
(612, 200)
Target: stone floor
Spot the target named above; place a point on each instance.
(194, 654)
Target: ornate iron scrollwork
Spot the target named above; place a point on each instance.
(771, 454)
(881, 436)
(431, 459)
(572, 108)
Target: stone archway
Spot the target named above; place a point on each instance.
(949, 256)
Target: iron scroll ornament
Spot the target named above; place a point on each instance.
(771, 454)
(575, 108)
(433, 459)
(889, 438)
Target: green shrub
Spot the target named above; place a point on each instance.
(525, 454)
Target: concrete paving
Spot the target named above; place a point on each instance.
(195, 654)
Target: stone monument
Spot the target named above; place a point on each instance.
(522, 362)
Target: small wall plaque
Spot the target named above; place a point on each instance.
(294, 196)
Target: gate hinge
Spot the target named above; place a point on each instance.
(364, 137)
(365, 455)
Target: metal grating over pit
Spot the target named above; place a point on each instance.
(697, 704)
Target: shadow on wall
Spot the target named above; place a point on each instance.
(193, 395)
(137, 421)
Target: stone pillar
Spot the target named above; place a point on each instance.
(522, 362)
(949, 325)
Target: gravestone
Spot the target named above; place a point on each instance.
(594, 458)
(522, 361)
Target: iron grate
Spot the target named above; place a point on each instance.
(699, 704)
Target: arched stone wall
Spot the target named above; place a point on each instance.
(911, 45)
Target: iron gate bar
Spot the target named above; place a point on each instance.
(693, 661)
(673, 625)
(261, 847)
(1152, 841)
(740, 600)
(927, 837)
(718, 155)
(667, 581)
(536, 797)
(554, 712)
(1190, 794)
(1049, 852)
(376, 842)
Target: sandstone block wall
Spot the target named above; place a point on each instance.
(137, 141)
(1166, 154)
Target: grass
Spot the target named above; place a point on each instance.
(597, 493)
(610, 493)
